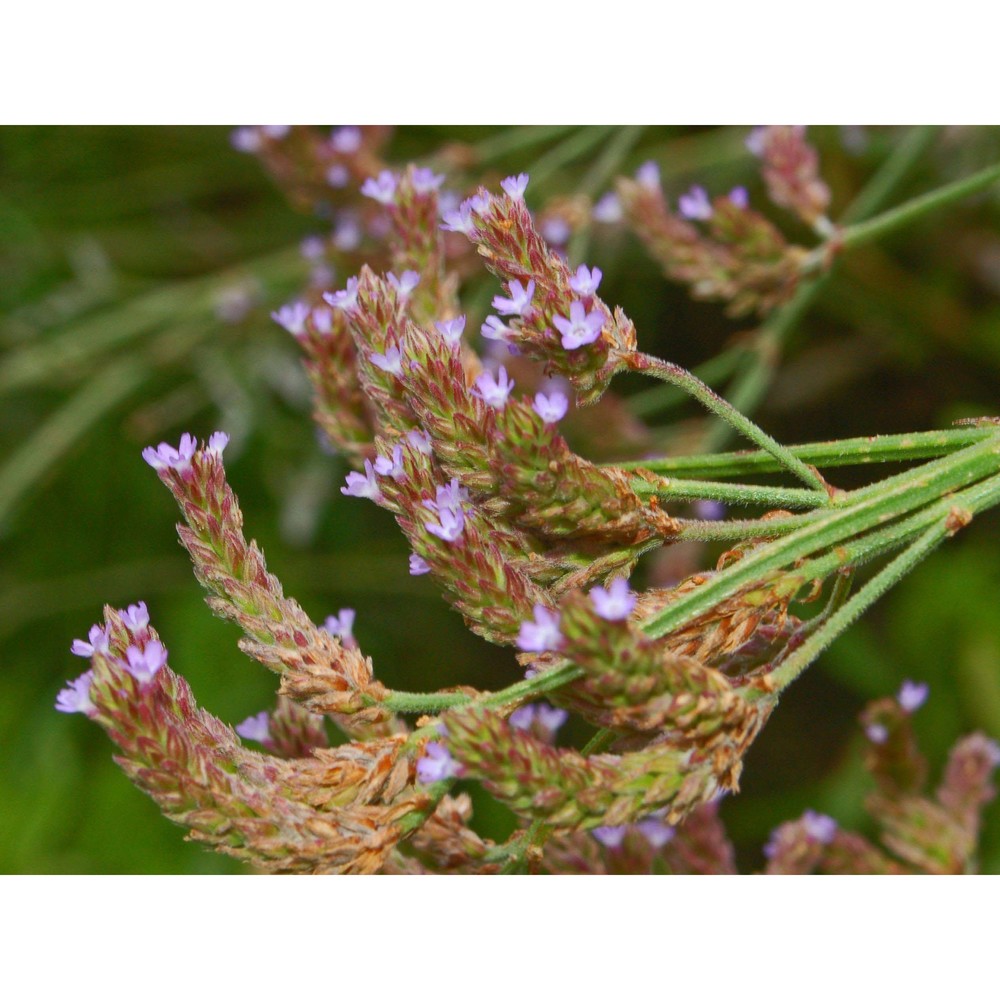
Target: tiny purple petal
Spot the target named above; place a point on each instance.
(610, 836)
(165, 456)
(550, 717)
(405, 283)
(614, 604)
(359, 485)
(75, 697)
(648, 175)
(555, 230)
(346, 299)
(656, 832)
(520, 298)
(911, 696)
(346, 139)
(580, 328)
(437, 764)
(341, 624)
(337, 176)
(347, 236)
(709, 510)
(292, 317)
(99, 639)
(322, 319)
(143, 664)
(542, 634)
(246, 139)
(391, 466)
(420, 441)
(217, 443)
(523, 717)
(495, 329)
(391, 361)
(754, 142)
(313, 248)
(135, 617)
(451, 330)
(451, 524)
(481, 203)
(551, 408)
(877, 733)
(515, 186)
(459, 220)
(494, 390)
(585, 281)
(382, 188)
(425, 180)
(608, 209)
(418, 565)
(695, 204)
(819, 827)
(255, 727)
(739, 197)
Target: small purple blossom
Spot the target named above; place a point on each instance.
(495, 329)
(739, 197)
(451, 330)
(217, 444)
(614, 604)
(322, 319)
(754, 142)
(391, 361)
(391, 466)
(520, 298)
(292, 317)
(382, 188)
(246, 139)
(585, 281)
(313, 248)
(420, 441)
(346, 299)
(481, 203)
(276, 132)
(165, 456)
(695, 204)
(143, 664)
(425, 180)
(459, 220)
(515, 186)
(911, 696)
(551, 408)
(347, 234)
(256, 728)
(338, 175)
(437, 764)
(346, 139)
(610, 836)
(648, 175)
(99, 639)
(359, 485)
(542, 634)
(656, 832)
(341, 624)
(819, 827)
(418, 565)
(405, 283)
(450, 524)
(135, 617)
(608, 209)
(494, 390)
(581, 328)
(75, 697)
(877, 733)
(555, 230)
(709, 510)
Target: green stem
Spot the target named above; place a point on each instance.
(516, 139)
(732, 493)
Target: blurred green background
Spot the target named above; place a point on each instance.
(139, 269)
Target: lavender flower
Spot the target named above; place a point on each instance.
(451, 524)
(540, 714)
(425, 180)
(555, 230)
(255, 727)
(494, 390)
(420, 441)
(608, 209)
(542, 634)
(551, 408)
(648, 175)
(877, 733)
(75, 697)
(346, 139)
(459, 220)
(391, 361)
(391, 466)
(359, 485)
(911, 696)
(585, 281)
(819, 827)
(313, 248)
(217, 444)
(614, 604)
(99, 638)
(418, 565)
(523, 717)
(347, 235)
(322, 319)
(739, 197)
(581, 327)
(346, 299)
(437, 764)
(338, 175)
(481, 203)
(276, 132)
(515, 186)
(382, 188)
(709, 510)
(143, 664)
(610, 836)
(246, 139)
(695, 204)
(451, 330)
(405, 283)
(754, 142)
(656, 832)
(292, 317)
(520, 298)
(135, 617)
(341, 624)
(165, 456)
(495, 329)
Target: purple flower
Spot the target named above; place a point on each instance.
(520, 297)
(347, 235)
(656, 832)
(391, 466)
(911, 696)
(877, 733)
(381, 188)
(217, 444)
(346, 139)
(515, 186)
(246, 139)
(459, 220)
(819, 827)
(362, 485)
(322, 319)
(550, 717)
(313, 248)
(585, 281)
(420, 441)
(754, 142)
(143, 664)
(695, 204)
(739, 197)
(165, 456)
(542, 634)
(256, 728)
(451, 496)
(292, 317)
(347, 299)
(405, 283)
(451, 330)
(608, 209)
(494, 390)
(551, 408)
(614, 604)
(451, 524)
(556, 230)
(648, 175)
(437, 764)
(581, 327)
(481, 202)
(135, 617)
(75, 697)
(495, 329)
(338, 175)
(99, 638)
(391, 361)
(418, 565)
(610, 836)
(341, 624)
(276, 132)
(709, 510)
(425, 180)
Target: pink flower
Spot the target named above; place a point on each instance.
(520, 298)
(494, 390)
(382, 188)
(165, 456)
(391, 361)
(292, 317)
(515, 186)
(135, 617)
(75, 697)
(391, 466)
(542, 634)
(143, 664)
(99, 638)
(551, 408)
(614, 604)
(451, 330)
(359, 485)
(405, 283)
(425, 180)
(585, 281)
(581, 328)
(347, 299)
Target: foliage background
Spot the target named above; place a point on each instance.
(115, 245)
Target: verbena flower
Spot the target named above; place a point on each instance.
(135, 616)
(143, 664)
(450, 525)
(425, 180)
(246, 139)
(542, 634)
(656, 831)
(819, 827)
(459, 220)
(75, 697)
(420, 441)
(912, 695)
(391, 466)
(709, 510)
(551, 408)
(451, 330)
(313, 248)
(405, 283)
(586, 280)
(255, 727)
(614, 604)
(580, 328)
(648, 175)
(610, 836)
(322, 319)
(695, 204)
(481, 203)
(494, 389)
(391, 361)
(515, 186)
(359, 485)
(877, 733)
(555, 230)
(608, 209)
(739, 197)
(337, 176)
(292, 317)
(346, 139)
(346, 299)
(347, 236)
(99, 638)
(217, 444)
(437, 764)
(519, 300)
(754, 142)
(418, 565)
(341, 624)
(495, 329)
(276, 132)
(382, 188)
(165, 456)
